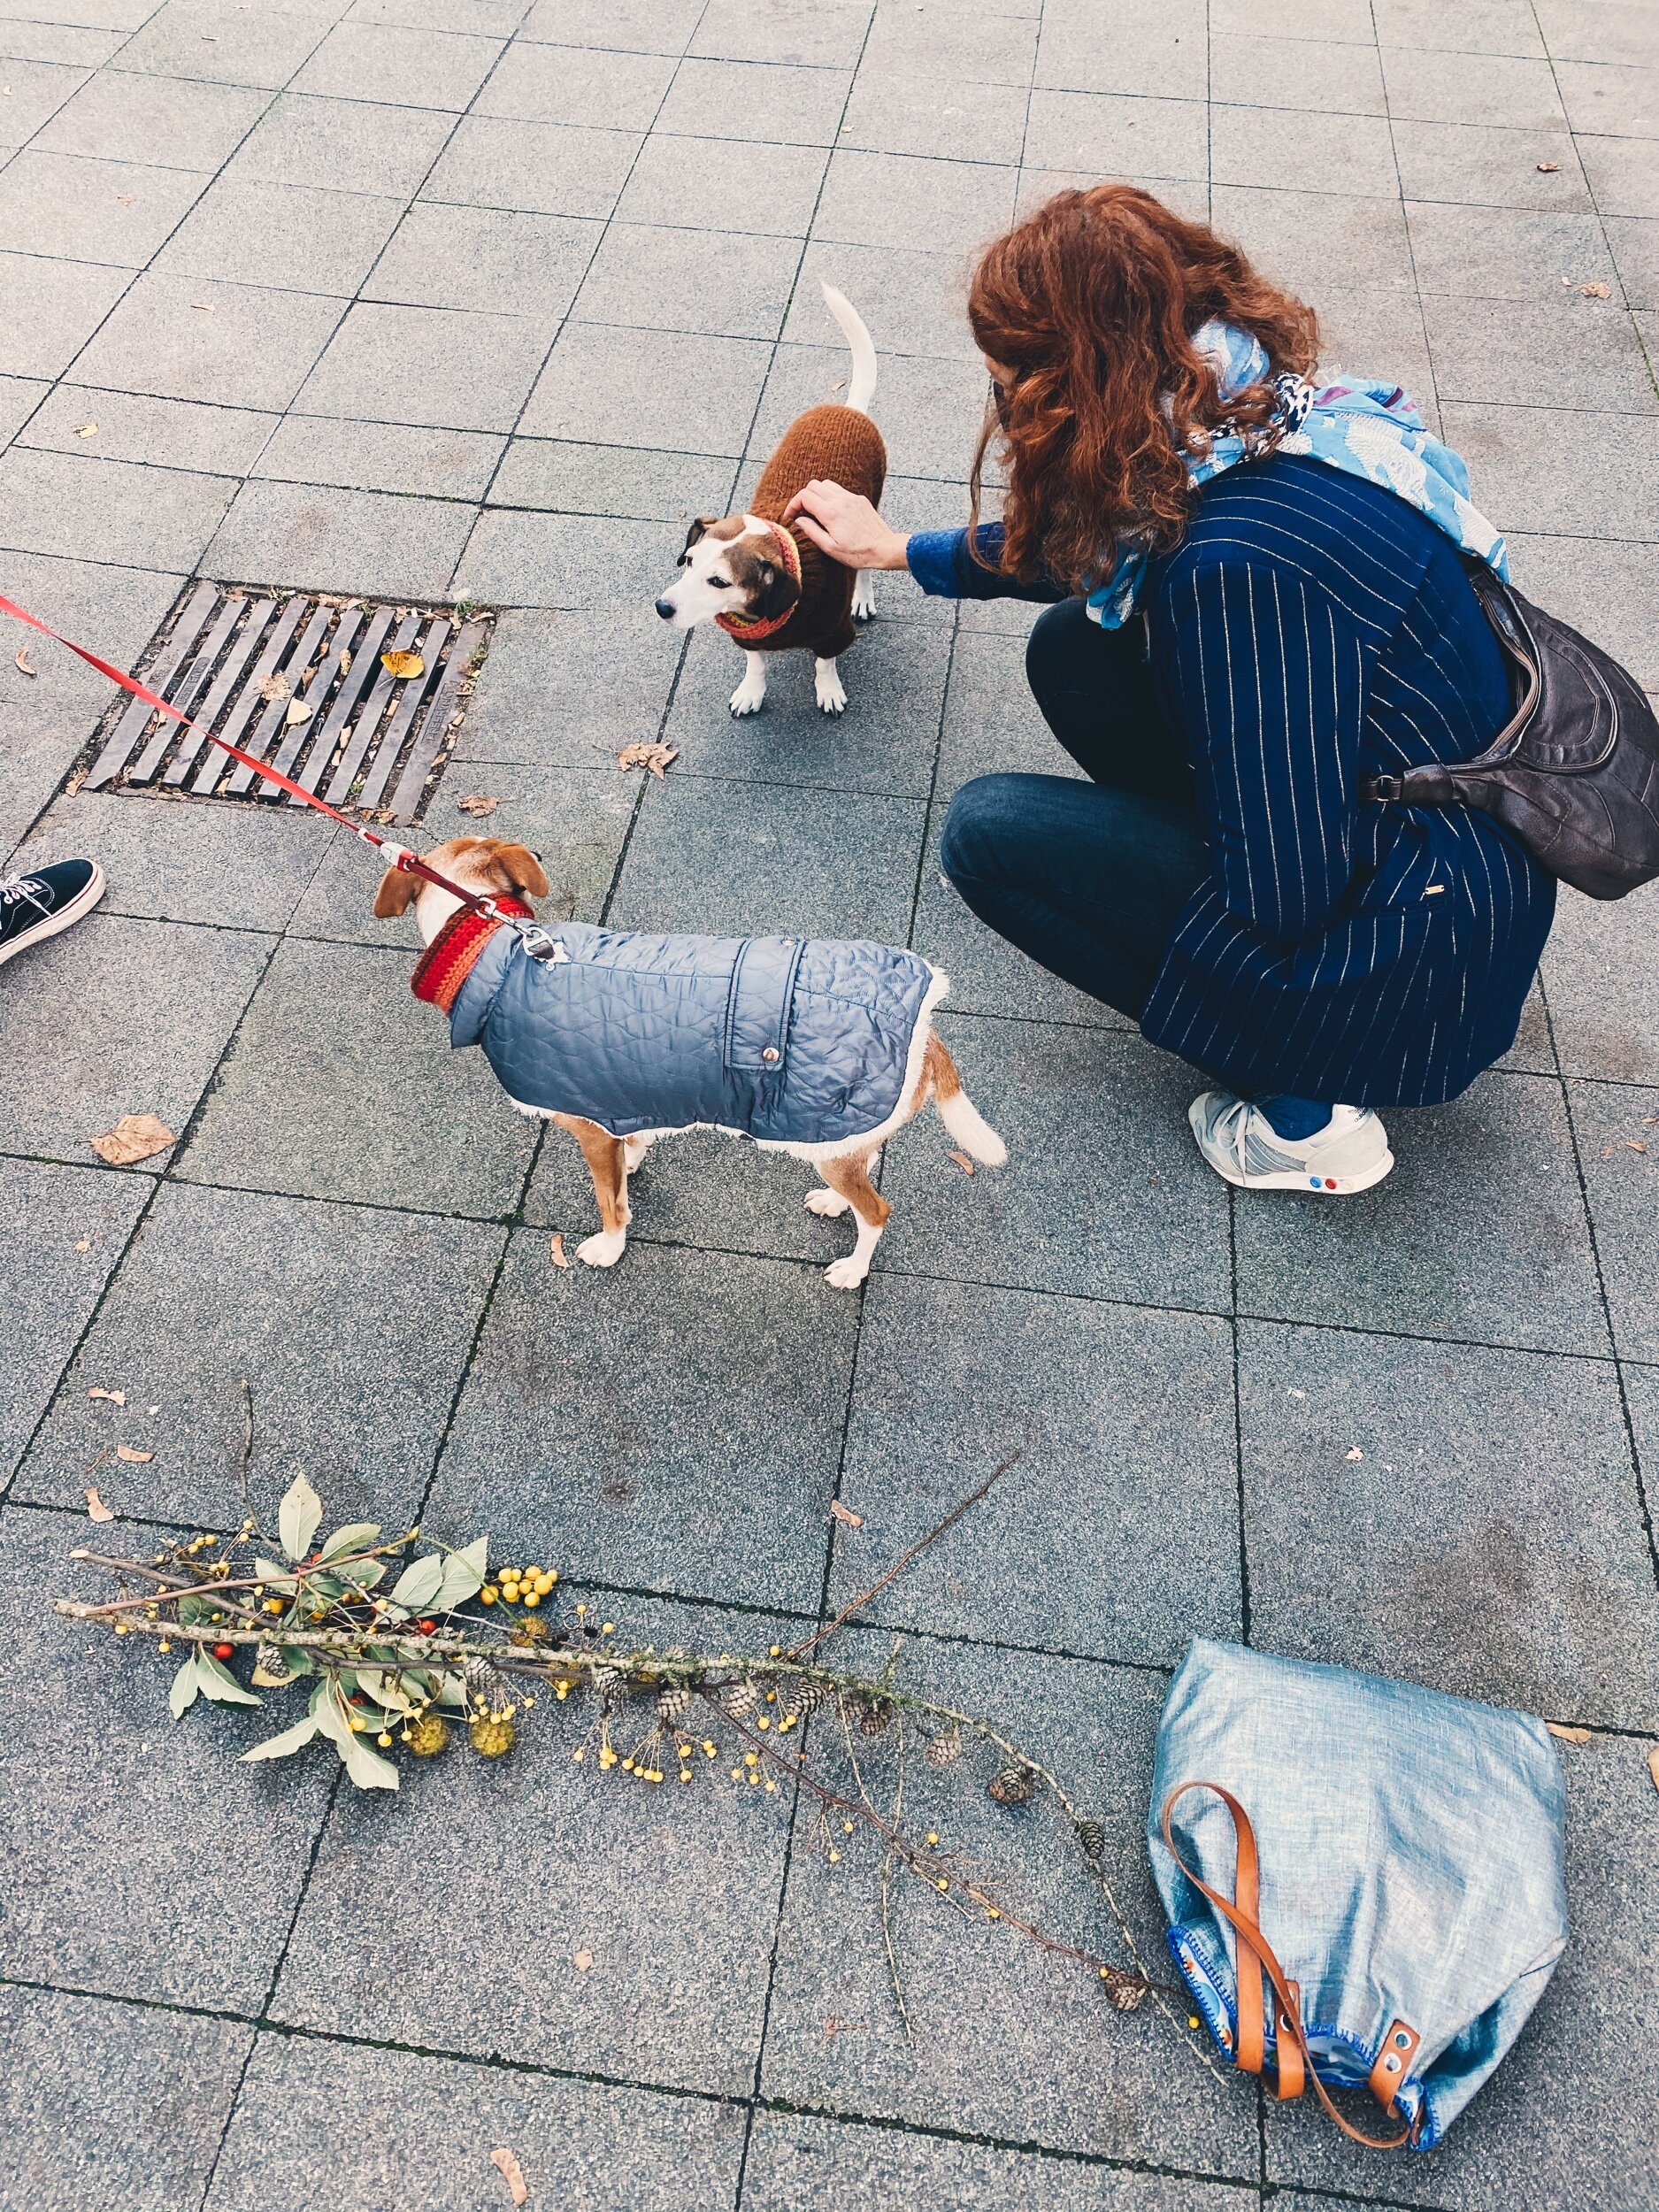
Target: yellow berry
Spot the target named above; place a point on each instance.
(578, 1756)
(942, 1883)
(607, 1628)
(532, 1597)
(121, 1628)
(753, 1777)
(553, 1574)
(384, 1740)
(932, 1838)
(847, 1827)
(737, 1774)
(543, 1584)
(164, 1645)
(486, 1595)
(775, 1649)
(273, 1605)
(834, 1855)
(627, 1764)
(771, 1785)
(991, 1913)
(581, 1609)
(772, 1697)
(751, 1758)
(685, 1774)
(1192, 2019)
(709, 1750)
(765, 1721)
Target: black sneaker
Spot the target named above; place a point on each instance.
(38, 905)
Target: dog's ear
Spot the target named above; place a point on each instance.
(514, 868)
(395, 894)
(776, 591)
(700, 528)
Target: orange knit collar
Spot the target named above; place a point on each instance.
(454, 952)
(750, 629)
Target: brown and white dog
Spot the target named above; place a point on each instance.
(769, 587)
(492, 867)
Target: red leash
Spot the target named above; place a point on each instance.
(535, 940)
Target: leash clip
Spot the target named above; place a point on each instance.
(536, 940)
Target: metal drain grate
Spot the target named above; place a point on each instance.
(242, 664)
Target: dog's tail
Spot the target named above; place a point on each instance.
(957, 1110)
(862, 390)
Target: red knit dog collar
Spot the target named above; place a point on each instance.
(453, 953)
(750, 629)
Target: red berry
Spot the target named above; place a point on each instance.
(224, 1651)
(427, 1628)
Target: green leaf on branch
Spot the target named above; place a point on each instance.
(297, 1516)
(293, 1738)
(419, 1584)
(184, 1690)
(274, 1577)
(214, 1679)
(367, 1768)
(352, 1537)
(385, 1689)
(463, 1574)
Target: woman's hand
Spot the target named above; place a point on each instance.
(846, 526)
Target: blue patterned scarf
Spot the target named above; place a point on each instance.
(1366, 428)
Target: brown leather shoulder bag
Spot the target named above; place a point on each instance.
(1574, 774)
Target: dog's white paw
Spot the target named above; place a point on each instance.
(749, 698)
(827, 1202)
(831, 692)
(604, 1250)
(848, 1273)
(864, 598)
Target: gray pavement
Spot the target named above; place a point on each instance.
(433, 297)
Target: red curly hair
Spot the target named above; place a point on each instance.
(1091, 303)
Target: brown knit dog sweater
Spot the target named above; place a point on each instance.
(845, 447)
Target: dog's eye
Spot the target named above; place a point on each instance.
(721, 583)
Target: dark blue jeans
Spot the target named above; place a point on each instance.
(1088, 879)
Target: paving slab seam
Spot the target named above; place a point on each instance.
(1607, 247)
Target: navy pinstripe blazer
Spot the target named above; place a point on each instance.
(1312, 629)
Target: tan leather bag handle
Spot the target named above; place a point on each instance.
(1294, 2058)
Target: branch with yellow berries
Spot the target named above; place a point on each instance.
(397, 1647)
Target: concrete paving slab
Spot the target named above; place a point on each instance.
(912, 303)
(757, 100)
(483, 258)
(112, 2103)
(1620, 171)
(375, 457)
(1508, 2152)
(946, 114)
(1518, 1269)
(660, 389)
(39, 90)
(350, 1325)
(661, 279)
(1505, 253)
(1596, 476)
(118, 1017)
(933, 206)
(1296, 73)
(317, 537)
(193, 337)
(1478, 26)
(547, 168)
(83, 46)
(622, 483)
(1487, 166)
(336, 1084)
(128, 1848)
(56, 306)
(1617, 1128)
(343, 145)
(884, 741)
(711, 183)
(992, 723)
(287, 236)
(818, 34)
(216, 40)
(20, 399)
(927, 410)
(741, 859)
(541, 560)
(112, 211)
(1514, 91)
(1160, 51)
(555, 693)
(87, 508)
(406, 67)
(535, 83)
(1603, 99)
(1124, 1418)
(640, 27)
(50, 1214)
(1318, 241)
(1108, 133)
(452, 369)
(988, 45)
(1349, 20)
(1104, 1194)
(484, 18)
(1598, 971)
(1578, 30)
(1302, 151)
(1007, 2042)
(578, 1852)
(1495, 350)
(169, 121)
(1636, 251)
(1606, 590)
(1432, 1560)
(161, 433)
(672, 1423)
(390, 2124)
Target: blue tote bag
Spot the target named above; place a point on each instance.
(1363, 1879)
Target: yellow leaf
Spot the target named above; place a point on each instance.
(1652, 1765)
(402, 666)
(96, 1510)
(115, 1397)
(512, 2173)
(1548, 168)
(21, 656)
(85, 430)
(845, 1515)
(555, 1250)
(298, 711)
(1566, 1734)
(205, 307)
(963, 1162)
(133, 1455)
(135, 1137)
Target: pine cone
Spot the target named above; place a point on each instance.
(740, 1698)
(1092, 1837)
(875, 1716)
(611, 1685)
(1124, 1992)
(270, 1668)
(673, 1704)
(805, 1699)
(1012, 1785)
(428, 1735)
(491, 1738)
(486, 1686)
(943, 1750)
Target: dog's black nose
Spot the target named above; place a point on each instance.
(665, 609)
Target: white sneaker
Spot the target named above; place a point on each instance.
(1349, 1154)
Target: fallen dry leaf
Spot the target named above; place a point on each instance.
(96, 1510)
(205, 307)
(135, 1137)
(1607, 1151)
(134, 1457)
(21, 656)
(127, 199)
(555, 1250)
(274, 686)
(115, 1397)
(512, 2173)
(582, 1961)
(1548, 168)
(298, 711)
(1567, 1735)
(1652, 1765)
(1596, 291)
(1354, 1452)
(845, 1514)
(962, 1161)
(478, 803)
(85, 430)
(345, 664)
(83, 1244)
(655, 757)
(402, 666)
(1635, 1144)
